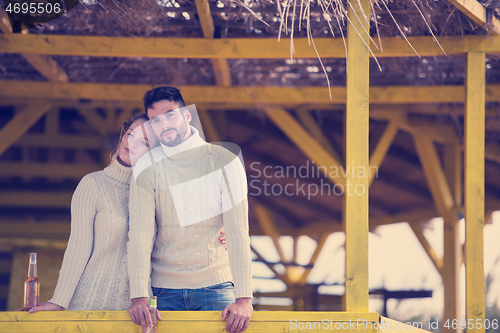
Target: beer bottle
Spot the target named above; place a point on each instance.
(152, 311)
(31, 286)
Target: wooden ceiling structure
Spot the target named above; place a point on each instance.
(59, 123)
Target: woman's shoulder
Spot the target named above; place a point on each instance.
(92, 179)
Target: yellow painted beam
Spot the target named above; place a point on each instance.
(312, 126)
(357, 156)
(304, 141)
(20, 124)
(283, 278)
(476, 12)
(452, 250)
(179, 321)
(233, 48)
(35, 199)
(383, 145)
(438, 262)
(208, 126)
(268, 226)
(436, 179)
(474, 189)
(286, 96)
(46, 66)
(60, 141)
(42, 63)
(95, 119)
(314, 257)
(34, 169)
(18, 228)
(222, 72)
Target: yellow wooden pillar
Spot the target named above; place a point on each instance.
(452, 250)
(357, 158)
(474, 189)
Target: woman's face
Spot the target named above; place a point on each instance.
(135, 142)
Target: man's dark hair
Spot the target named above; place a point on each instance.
(162, 93)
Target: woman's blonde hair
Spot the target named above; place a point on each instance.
(125, 127)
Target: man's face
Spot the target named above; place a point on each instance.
(170, 124)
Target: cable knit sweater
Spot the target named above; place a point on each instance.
(93, 274)
(193, 190)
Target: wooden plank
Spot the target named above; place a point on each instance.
(241, 95)
(304, 141)
(95, 119)
(20, 124)
(452, 250)
(393, 326)
(383, 145)
(436, 179)
(42, 63)
(268, 226)
(438, 262)
(36, 199)
(473, 9)
(310, 124)
(61, 141)
(314, 257)
(208, 126)
(33, 169)
(233, 48)
(474, 189)
(29, 229)
(357, 156)
(47, 66)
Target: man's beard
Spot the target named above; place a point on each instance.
(174, 141)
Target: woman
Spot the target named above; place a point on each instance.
(93, 275)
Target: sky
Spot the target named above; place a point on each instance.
(397, 261)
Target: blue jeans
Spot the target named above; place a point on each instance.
(212, 298)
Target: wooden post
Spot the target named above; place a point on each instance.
(357, 158)
(452, 250)
(474, 190)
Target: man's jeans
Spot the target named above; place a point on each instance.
(212, 298)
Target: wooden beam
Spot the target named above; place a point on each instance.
(268, 226)
(473, 9)
(31, 229)
(312, 126)
(357, 156)
(220, 66)
(233, 48)
(452, 250)
(383, 145)
(474, 189)
(95, 119)
(438, 262)
(61, 141)
(36, 199)
(304, 141)
(208, 126)
(20, 124)
(44, 64)
(286, 96)
(314, 257)
(182, 321)
(436, 179)
(33, 169)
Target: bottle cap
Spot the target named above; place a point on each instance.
(152, 301)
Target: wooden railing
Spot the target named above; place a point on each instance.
(209, 321)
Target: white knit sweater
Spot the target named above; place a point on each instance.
(93, 274)
(180, 199)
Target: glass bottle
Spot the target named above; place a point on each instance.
(32, 285)
(152, 311)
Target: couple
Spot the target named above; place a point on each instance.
(182, 194)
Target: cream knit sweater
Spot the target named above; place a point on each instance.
(93, 274)
(180, 199)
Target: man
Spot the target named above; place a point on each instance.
(192, 190)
